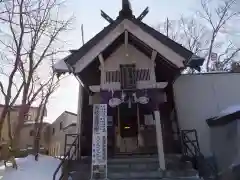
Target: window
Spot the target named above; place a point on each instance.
(128, 76)
(61, 125)
(53, 131)
(31, 133)
(28, 117)
(29, 146)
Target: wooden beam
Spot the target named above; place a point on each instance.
(143, 14)
(126, 42)
(107, 17)
(153, 59)
(103, 74)
(109, 87)
(154, 55)
(101, 60)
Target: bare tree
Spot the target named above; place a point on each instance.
(34, 28)
(45, 95)
(210, 30)
(226, 59)
(187, 32)
(9, 97)
(218, 18)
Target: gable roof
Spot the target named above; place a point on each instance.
(77, 54)
(184, 56)
(176, 47)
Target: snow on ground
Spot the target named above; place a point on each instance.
(29, 169)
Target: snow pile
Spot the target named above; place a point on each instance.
(29, 169)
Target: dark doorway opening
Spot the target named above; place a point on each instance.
(128, 120)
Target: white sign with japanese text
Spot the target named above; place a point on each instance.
(99, 141)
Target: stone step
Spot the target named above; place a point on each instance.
(80, 175)
(135, 175)
(180, 173)
(132, 160)
(138, 167)
(146, 158)
(152, 174)
(168, 175)
(135, 155)
(133, 166)
(140, 163)
(180, 178)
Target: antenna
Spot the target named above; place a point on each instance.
(167, 26)
(82, 30)
(143, 14)
(106, 17)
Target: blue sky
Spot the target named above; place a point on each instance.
(87, 12)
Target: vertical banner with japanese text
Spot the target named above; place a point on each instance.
(99, 142)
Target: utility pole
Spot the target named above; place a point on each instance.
(80, 102)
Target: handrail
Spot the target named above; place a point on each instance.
(68, 155)
(185, 136)
(196, 153)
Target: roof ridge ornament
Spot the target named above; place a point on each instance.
(126, 5)
(126, 9)
(126, 12)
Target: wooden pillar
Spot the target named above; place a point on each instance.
(157, 97)
(140, 138)
(102, 68)
(161, 156)
(79, 117)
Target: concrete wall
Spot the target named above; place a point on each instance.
(201, 96)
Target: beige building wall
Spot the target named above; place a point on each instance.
(27, 137)
(201, 96)
(32, 114)
(66, 123)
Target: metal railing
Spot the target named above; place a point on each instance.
(73, 153)
(190, 146)
(191, 149)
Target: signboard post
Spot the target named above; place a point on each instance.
(99, 142)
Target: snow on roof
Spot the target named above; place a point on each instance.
(29, 122)
(229, 110)
(61, 66)
(29, 169)
(33, 122)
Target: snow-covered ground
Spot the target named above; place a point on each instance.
(29, 169)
